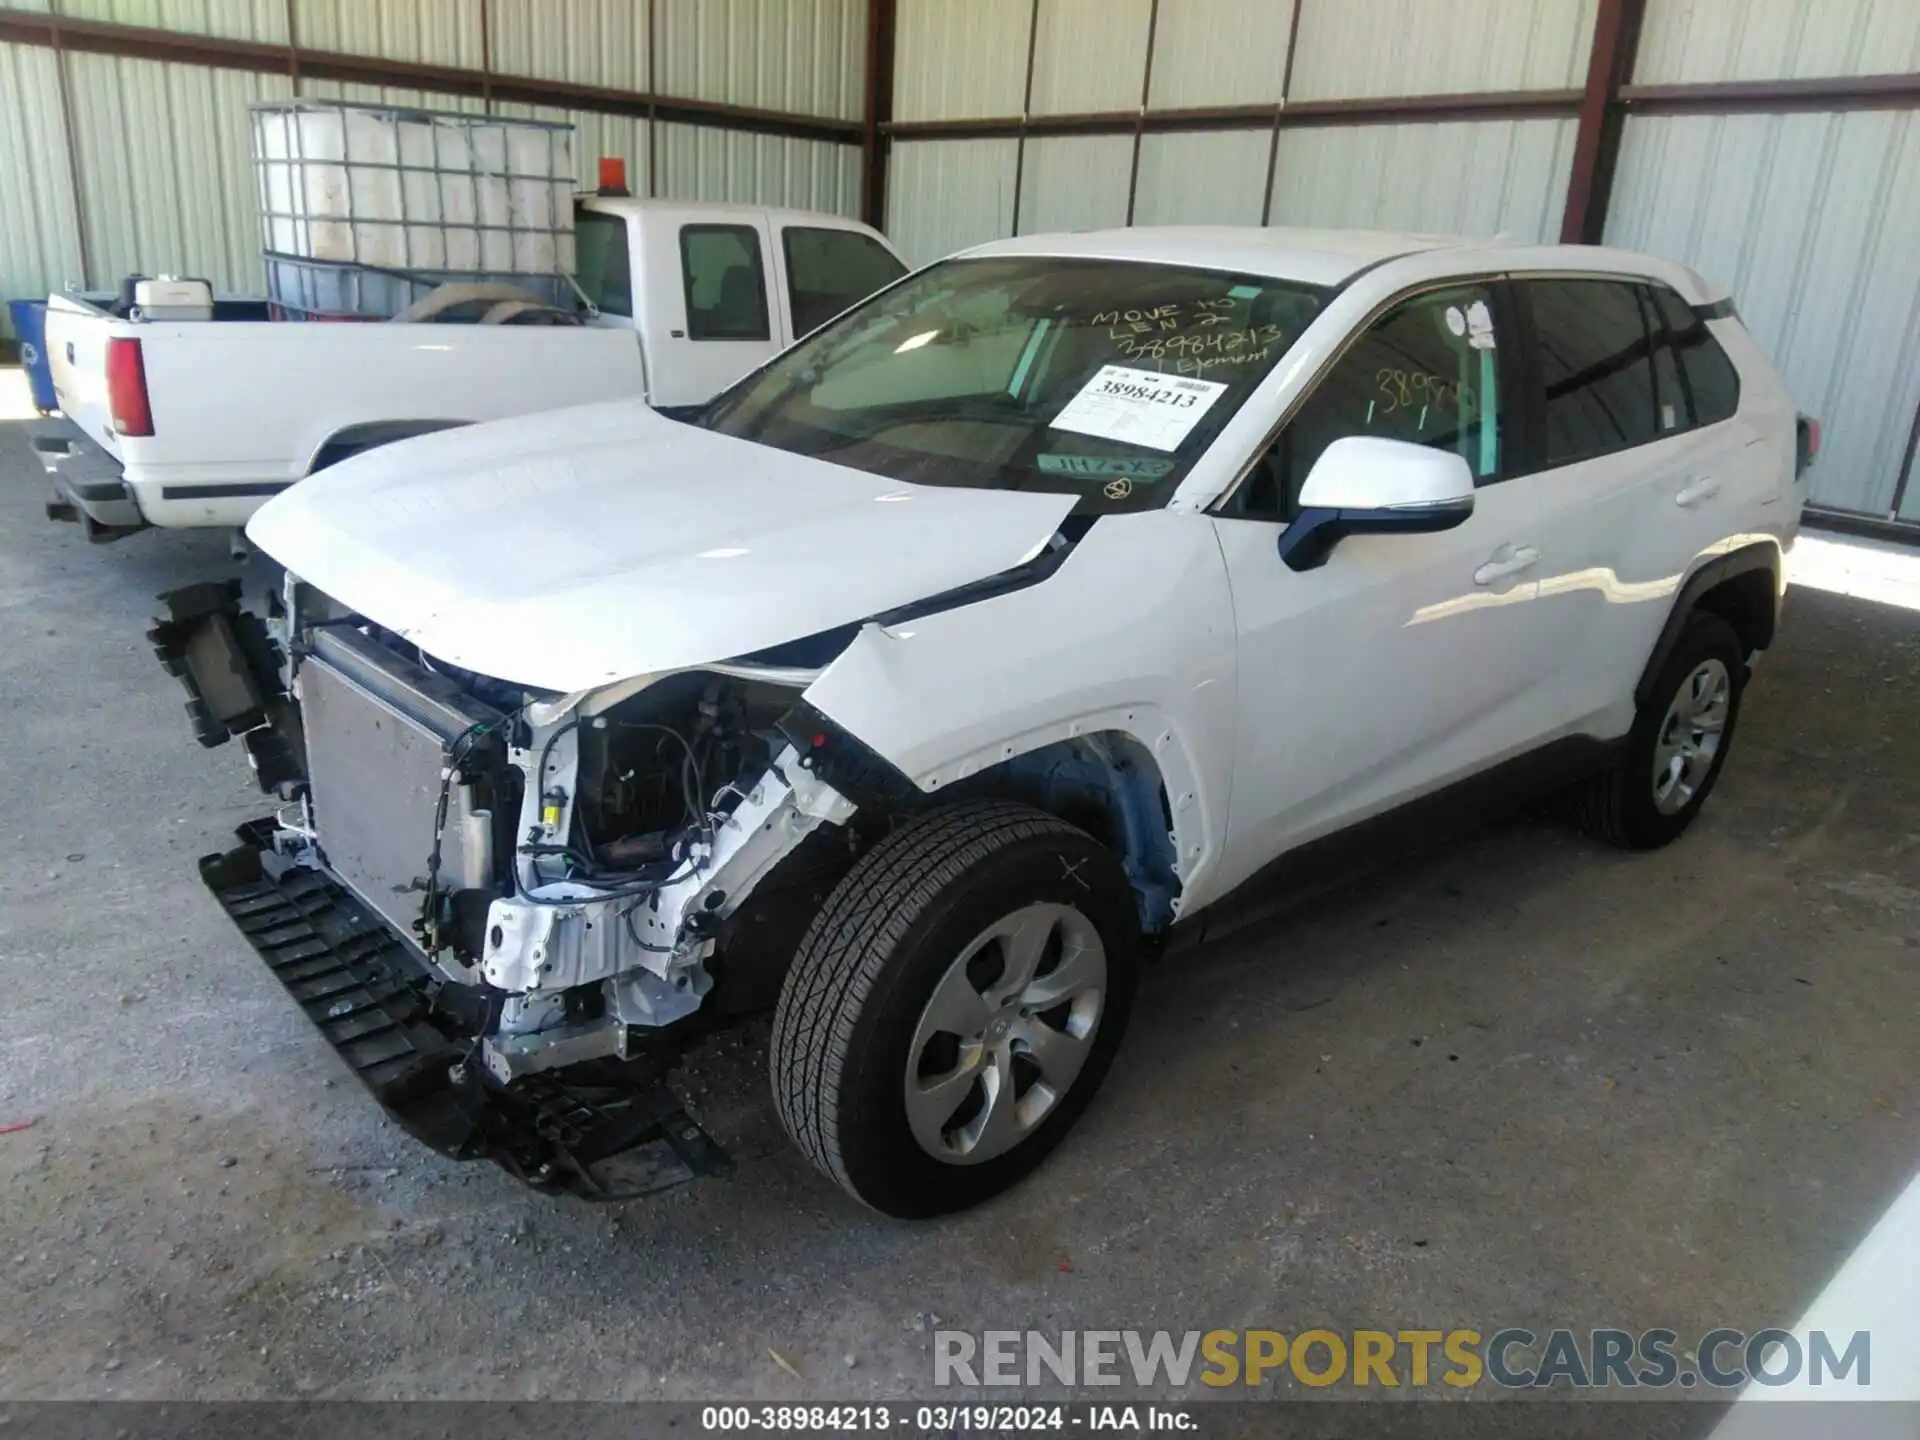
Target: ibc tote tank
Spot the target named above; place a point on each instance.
(407, 190)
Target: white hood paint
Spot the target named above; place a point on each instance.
(573, 548)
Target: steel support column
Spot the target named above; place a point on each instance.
(1596, 148)
(874, 141)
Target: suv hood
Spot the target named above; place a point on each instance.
(573, 548)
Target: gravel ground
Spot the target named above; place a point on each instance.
(1523, 1080)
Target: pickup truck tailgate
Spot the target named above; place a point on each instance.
(77, 347)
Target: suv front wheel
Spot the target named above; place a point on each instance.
(1679, 741)
(954, 1006)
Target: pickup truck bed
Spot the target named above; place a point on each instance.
(237, 410)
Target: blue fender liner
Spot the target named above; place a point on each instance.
(603, 1130)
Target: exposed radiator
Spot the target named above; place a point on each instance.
(377, 732)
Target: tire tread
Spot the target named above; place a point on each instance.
(848, 945)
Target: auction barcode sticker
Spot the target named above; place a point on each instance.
(1139, 407)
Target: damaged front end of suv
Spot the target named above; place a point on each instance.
(907, 718)
(509, 909)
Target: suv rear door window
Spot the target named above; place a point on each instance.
(833, 270)
(1596, 365)
(1712, 384)
(726, 282)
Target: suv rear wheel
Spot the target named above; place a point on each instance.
(954, 1006)
(1679, 741)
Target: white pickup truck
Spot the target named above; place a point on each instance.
(196, 423)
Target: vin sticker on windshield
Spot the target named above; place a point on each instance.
(1139, 407)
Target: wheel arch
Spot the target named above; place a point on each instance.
(1127, 783)
(1108, 783)
(370, 435)
(1744, 587)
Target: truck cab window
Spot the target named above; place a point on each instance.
(725, 281)
(833, 270)
(601, 260)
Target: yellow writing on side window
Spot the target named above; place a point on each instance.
(1406, 389)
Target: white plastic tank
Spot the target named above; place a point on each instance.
(166, 297)
(414, 189)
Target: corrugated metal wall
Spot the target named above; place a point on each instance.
(1707, 40)
(588, 41)
(261, 20)
(944, 195)
(1090, 56)
(1350, 49)
(1811, 220)
(1464, 177)
(1219, 52)
(39, 223)
(432, 32)
(166, 179)
(1203, 179)
(160, 148)
(699, 163)
(806, 56)
(959, 62)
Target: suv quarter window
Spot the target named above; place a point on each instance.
(1595, 361)
(1712, 384)
(1427, 370)
(726, 283)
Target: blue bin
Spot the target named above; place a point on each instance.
(30, 328)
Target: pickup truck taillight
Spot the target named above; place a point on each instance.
(1807, 447)
(127, 388)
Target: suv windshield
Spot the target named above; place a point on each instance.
(1100, 379)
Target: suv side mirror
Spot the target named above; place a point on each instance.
(1368, 485)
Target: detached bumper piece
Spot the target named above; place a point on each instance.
(231, 670)
(608, 1130)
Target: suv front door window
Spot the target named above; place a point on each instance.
(1427, 372)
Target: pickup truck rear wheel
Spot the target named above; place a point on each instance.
(1679, 741)
(954, 1006)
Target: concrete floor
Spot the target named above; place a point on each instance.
(1525, 1081)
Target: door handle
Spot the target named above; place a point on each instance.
(1695, 491)
(1524, 558)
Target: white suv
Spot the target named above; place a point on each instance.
(977, 646)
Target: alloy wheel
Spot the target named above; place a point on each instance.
(1689, 738)
(1005, 1033)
